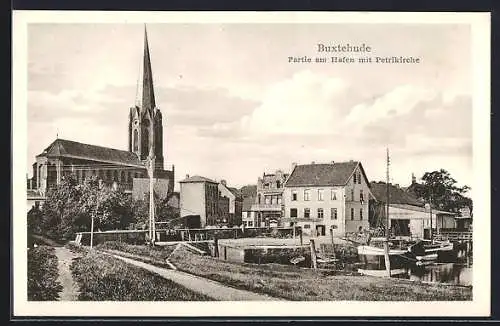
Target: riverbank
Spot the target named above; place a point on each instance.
(302, 284)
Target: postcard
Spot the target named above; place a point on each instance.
(286, 164)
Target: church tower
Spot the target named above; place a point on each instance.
(145, 127)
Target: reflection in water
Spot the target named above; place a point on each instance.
(453, 273)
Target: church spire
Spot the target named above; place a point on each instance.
(148, 95)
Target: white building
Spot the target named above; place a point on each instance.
(324, 197)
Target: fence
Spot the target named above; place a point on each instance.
(455, 236)
(167, 235)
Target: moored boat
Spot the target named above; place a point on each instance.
(372, 255)
(426, 251)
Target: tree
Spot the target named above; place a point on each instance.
(69, 208)
(163, 211)
(442, 191)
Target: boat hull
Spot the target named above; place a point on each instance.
(373, 258)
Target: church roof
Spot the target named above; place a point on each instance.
(68, 148)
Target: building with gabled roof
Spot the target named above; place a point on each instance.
(115, 167)
(408, 215)
(327, 197)
(235, 205)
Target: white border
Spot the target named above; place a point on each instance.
(480, 306)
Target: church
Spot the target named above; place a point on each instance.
(124, 170)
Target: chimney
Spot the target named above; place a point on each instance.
(223, 182)
(187, 176)
(333, 162)
(397, 185)
(413, 179)
(312, 162)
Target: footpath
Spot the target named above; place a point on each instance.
(70, 287)
(201, 285)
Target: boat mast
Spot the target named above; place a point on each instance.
(387, 225)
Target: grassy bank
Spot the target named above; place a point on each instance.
(101, 277)
(305, 284)
(42, 274)
(152, 255)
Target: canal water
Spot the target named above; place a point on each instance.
(451, 273)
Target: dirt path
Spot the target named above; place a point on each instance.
(202, 285)
(70, 287)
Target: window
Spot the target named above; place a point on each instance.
(361, 197)
(352, 214)
(279, 200)
(354, 176)
(333, 213)
(352, 194)
(136, 140)
(307, 226)
(267, 200)
(320, 213)
(278, 184)
(320, 194)
(334, 195)
(359, 177)
(360, 214)
(250, 223)
(294, 195)
(307, 213)
(307, 195)
(293, 212)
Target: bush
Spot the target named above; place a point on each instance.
(42, 274)
(102, 277)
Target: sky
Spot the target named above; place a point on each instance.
(234, 107)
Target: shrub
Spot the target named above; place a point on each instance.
(42, 274)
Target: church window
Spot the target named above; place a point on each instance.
(122, 177)
(136, 136)
(115, 175)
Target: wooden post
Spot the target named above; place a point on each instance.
(314, 263)
(331, 236)
(216, 246)
(386, 258)
(301, 243)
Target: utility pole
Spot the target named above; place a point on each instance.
(152, 228)
(386, 242)
(430, 212)
(92, 224)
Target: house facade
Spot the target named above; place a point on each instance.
(249, 217)
(199, 196)
(235, 203)
(268, 203)
(324, 198)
